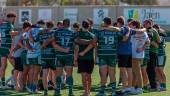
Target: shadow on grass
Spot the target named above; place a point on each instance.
(11, 93)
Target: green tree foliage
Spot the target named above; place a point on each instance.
(77, 2)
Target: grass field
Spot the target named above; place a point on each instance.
(78, 87)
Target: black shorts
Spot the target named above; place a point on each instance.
(125, 61)
(18, 64)
(85, 66)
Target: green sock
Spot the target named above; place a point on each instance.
(45, 90)
(3, 81)
(163, 85)
(40, 81)
(69, 81)
(58, 84)
(145, 87)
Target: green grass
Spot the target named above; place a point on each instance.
(96, 80)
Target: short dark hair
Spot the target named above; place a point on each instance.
(49, 24)
(66, 22)
(41, 22)
(11, 14)
(114, 24)
(156, 26)
(148, 21)
(90, 21)
(26, 24)
(136, 23)
(59, 22)
(121, 20)
(129, 20)
(107, 20)
(85, 24)
(76, 25)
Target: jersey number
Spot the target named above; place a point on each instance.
(65, 41)
(109, 40)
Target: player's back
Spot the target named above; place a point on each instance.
(107, 43)
(65, 38)
(5, 37)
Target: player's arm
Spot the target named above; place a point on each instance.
(45, 43)
(26, 46)
(14, 33)
(111, 28)
(76, 51)
(156, 43)
(158, 39)
(140, 30)
(59, 48)
(89, 47)
(82, 41)
(126, 35)
(147, 42)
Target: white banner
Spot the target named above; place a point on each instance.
(71, 14)
(24, 15)
(159, 15)
(44, 14)
(99, 14)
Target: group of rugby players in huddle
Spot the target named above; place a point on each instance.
(45, 52)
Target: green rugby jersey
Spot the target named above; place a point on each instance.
(147, 49)
(94, 31)
(5, 37)
(162, 45)
(65, 38)
(48, 52)
(153, 37)
(107, 43)
(84, 35)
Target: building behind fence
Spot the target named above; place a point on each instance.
(159, 14)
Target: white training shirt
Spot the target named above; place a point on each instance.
(138, 41)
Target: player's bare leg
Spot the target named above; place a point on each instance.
(69, 78)
(3, 69)
(45, 80)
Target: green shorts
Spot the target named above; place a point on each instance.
(48, 63)
(64, 61)
(35, 61)
(4, 52)
(145, 63)
(24, 59)
(161, 61)
(112, 62)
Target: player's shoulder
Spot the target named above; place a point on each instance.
(5, 24)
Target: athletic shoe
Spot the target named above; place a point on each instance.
(153, 89)
(38, 92)
(146, 90)
(29, 90)
(126, 90)
(101, 93)
(162, 89)
(5, 87)
(120, 84)
(133, 91)
(113, 94)
(139, 90)
(109, 85)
